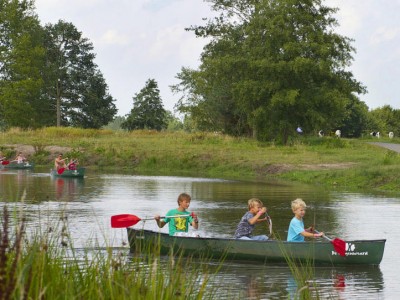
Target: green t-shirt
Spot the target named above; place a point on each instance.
(178, 224)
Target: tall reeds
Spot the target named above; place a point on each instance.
(46, 266)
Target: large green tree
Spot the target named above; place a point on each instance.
(148, 111)
(73, 82)
(47, 75)
(21, 66)
(269, 67)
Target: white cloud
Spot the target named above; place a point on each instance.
(112, 37)
(385, 34)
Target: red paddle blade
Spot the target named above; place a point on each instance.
(124, 220)
(60, 170)
(340, 246)
(5, 162)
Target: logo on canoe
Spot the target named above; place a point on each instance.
(351, 250)
(350, 247)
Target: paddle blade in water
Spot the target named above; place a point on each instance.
(124, 220)
(5, 162)
(340, 246)
(60, 171)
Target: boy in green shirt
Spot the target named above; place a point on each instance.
(179, 224)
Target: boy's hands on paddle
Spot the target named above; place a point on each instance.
(319, 234)
(195, 218)
(158, 220)
(262, 211)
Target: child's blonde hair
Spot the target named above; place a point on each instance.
(183, 196)
(298, 203)
(253, 201)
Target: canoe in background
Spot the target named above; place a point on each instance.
(79, 172)
(15, 165)
(358, 252)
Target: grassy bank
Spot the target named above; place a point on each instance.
(345, 163)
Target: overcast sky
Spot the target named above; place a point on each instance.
(135, 40)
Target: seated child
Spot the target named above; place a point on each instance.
(179, 219)
(296, 232)
(250, 219)
(72, 164)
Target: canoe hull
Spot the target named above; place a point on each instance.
(358, 252)
(78, 173)
(18, 166)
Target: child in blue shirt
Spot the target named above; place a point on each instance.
(296, 232)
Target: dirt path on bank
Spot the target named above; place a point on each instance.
(390, 146)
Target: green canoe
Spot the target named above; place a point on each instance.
(15, 165)
(358, 252)
(78, 173)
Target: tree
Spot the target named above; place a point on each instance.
(115, 124)
(21, 65)
(96, 107)
(73, 82)
(148, 111)
(384, 119)
(270, 66)
(355, 120)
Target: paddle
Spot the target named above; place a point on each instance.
(126, 220)
(5, 162)
(269, 220)
(338, 244)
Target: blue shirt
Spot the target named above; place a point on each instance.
(296, 227)
(244, 228)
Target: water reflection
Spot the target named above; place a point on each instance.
(68, 189)
(277, 282)
(89, 203)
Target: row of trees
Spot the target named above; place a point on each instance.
(47, 74)
(269, 67)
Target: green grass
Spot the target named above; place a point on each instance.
(347, 163)
(46, 266)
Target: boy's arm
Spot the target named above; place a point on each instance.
(256, 218)
(305, 233)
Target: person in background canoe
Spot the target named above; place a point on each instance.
(250, 219)
(72, 164)
(20, 158)
(296, 232)
(59, 162)
(179, 226)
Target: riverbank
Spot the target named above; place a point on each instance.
(345, 163)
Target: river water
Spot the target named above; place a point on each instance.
(88, 204)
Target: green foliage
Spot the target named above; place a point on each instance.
(390, 157)
(73, 82)
(384, 119)
(22, 58)
(269, 67)
(115, 124)
(148, 111)
(47, 74)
